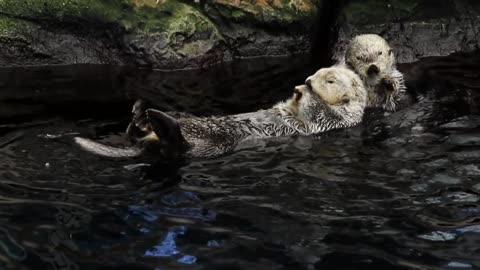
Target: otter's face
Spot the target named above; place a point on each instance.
(371, 57)
(337, 87)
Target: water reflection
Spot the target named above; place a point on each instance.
(168, 247)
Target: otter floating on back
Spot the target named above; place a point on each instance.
(332, 98)
(373, 60)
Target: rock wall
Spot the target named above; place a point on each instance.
(164, 34)
(182, 34)
(415, 28)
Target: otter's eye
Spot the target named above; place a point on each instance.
(359, 58)
(380, 53)
(345, 99)
(330, 81)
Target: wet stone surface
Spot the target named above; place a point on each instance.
(388, 194)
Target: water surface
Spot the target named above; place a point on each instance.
(399, 191)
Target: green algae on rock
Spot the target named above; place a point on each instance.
(52, 10)
(173, 35)
(278, 12)
(11, 26)
(165, 34)
(264, 27)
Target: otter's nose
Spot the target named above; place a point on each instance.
(373, 69)
(298, 92)
(300, 89)
(308, 82)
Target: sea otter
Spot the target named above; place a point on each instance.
(373, 60)
(331, 98)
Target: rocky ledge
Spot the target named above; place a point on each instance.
(165, 34)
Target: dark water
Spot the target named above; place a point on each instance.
(400, 191)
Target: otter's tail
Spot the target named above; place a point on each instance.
(108, 151)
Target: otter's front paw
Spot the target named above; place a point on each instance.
(139, 117)
(139, 127)
(388, 84)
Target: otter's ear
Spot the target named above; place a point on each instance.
(345, 99)
(165, 126)
(390, 52)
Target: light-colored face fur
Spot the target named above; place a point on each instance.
(338, 88)
(371, 57)
(373, 60)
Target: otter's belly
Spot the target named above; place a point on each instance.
(264, 124)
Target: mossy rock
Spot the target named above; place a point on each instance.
(99, 10)
(11, 26)
(276, 12)
(170, 31)
(172, 18)
(149, 15)
(157, 33)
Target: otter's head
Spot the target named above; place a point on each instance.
(370, 57)
(339, 89)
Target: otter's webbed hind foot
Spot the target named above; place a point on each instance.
(168, 131)
(139, 127)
